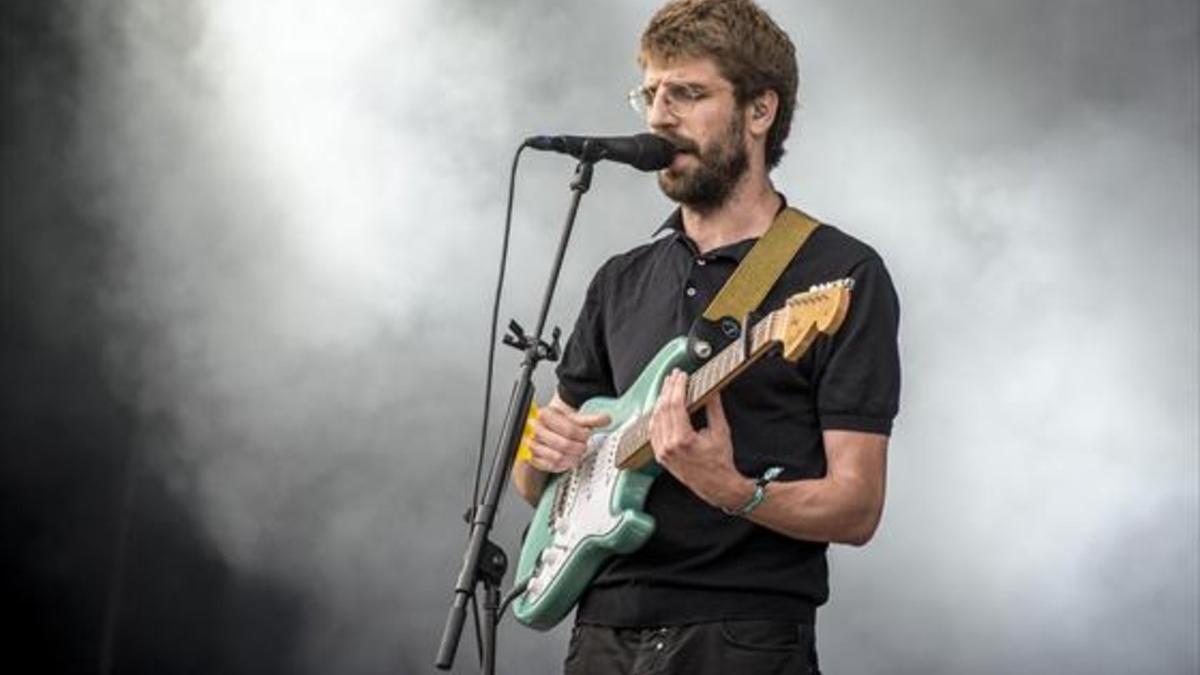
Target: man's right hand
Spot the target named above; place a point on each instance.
(560, 436)
(557, 444)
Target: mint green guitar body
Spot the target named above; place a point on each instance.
(594, 511)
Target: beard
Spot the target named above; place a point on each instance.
(706, 187)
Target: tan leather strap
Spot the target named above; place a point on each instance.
(762, 266)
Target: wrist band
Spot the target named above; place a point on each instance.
(760, 493)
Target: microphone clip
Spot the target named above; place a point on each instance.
(518, 339)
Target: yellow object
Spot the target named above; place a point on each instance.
(524, 453)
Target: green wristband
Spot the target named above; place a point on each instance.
(760, 493)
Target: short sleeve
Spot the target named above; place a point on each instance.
(585, 371)
(858, 376)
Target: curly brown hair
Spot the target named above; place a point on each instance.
(749, 49)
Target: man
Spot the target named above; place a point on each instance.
(712, 592)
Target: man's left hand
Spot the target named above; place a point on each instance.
(702, 460)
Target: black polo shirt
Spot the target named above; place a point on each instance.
(700, 564)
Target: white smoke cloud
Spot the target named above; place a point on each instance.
(311, 197)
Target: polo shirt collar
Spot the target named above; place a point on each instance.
(735, 251)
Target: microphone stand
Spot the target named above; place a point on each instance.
(484, 560)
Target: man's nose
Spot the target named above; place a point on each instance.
(659, 115)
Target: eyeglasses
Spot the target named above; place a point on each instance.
(679, 99)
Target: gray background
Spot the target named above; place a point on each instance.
(249, 250)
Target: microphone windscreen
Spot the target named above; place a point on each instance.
(656, 152)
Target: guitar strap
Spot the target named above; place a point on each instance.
(745, 289)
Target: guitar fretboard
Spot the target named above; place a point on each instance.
(633, 450)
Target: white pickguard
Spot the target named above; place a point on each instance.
(584, 510)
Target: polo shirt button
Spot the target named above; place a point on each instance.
(701, 262)
(691, 292)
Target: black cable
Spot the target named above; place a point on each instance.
(491, 362)
(478, 628)
(512, 595)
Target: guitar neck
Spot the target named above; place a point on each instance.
(634, 450)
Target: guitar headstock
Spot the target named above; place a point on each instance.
(819, 310)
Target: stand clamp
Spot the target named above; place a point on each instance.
(543, 351)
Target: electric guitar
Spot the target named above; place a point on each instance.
(594, 511)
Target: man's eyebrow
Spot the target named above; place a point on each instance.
(687, 84)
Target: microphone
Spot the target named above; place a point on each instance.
(645, 152)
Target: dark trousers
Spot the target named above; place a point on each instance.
(718, 648)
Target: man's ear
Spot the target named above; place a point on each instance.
(763, 109)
